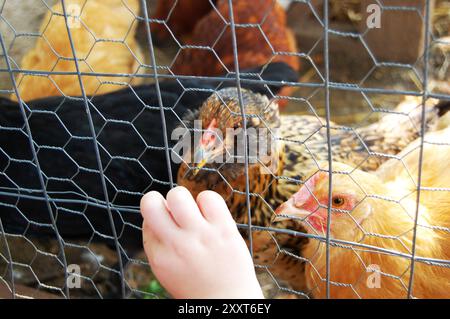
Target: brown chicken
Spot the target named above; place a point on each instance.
(180, 17)
(296, 144)
(378, 211)
(262, 37)
(104, 42)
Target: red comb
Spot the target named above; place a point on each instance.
(307, 189)
(212, 125)
(209, 133)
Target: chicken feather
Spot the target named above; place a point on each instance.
(262, 36)
(104, 43)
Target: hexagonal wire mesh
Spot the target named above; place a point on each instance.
(73, 166)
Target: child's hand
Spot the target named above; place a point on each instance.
(195, 249)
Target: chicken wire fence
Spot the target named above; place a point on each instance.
(78, 170)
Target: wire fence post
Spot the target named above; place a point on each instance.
(422, 139)
(97, 152)
(329, 146)
(38, 167)
(244, 124)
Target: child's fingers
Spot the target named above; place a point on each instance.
(214, 208)
(183, 208)
(156, 215)
(150, 242)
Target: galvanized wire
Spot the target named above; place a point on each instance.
(158, 90)
(36, 160)
(244, 123)
(329, 155)
(422, 139)
(97, 152)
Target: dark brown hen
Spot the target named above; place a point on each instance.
(262, 36)
(180, 17)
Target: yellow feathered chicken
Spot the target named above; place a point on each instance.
(378, 210)
(103, 33)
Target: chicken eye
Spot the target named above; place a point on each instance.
(338, 201)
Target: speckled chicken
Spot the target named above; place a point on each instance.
(262, 36)
(103, 37)
(378, 210)
(297, 143)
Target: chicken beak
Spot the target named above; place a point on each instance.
(199, 166)
(204, 157)
(289, 210)
(206, 149)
